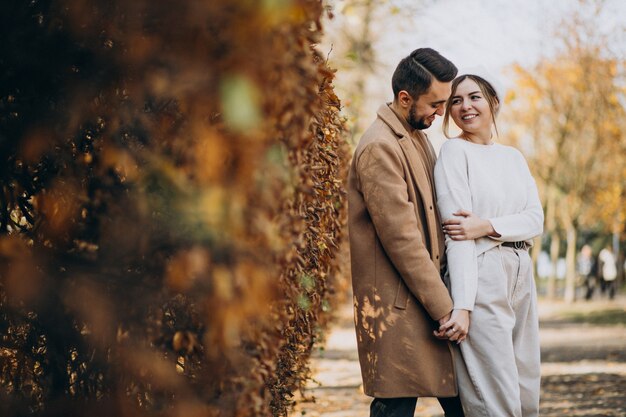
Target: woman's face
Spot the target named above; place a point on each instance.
(469, 108)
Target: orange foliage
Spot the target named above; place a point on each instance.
(173, 199)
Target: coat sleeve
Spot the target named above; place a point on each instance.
(384, 188)
(526, 224)
(453, 194)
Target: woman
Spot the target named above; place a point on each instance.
(491, 210)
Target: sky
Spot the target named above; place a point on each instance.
(493, 34)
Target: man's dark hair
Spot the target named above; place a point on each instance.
(415, 73)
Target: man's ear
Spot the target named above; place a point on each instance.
(404, 99)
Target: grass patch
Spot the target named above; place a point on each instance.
(603, 317)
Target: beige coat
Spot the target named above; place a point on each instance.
(396, 246)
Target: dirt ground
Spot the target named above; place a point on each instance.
(583, 348)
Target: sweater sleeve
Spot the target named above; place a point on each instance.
(384, 188)
(453, 193)
(526, 224)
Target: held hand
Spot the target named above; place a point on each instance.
(467, 226)
(457, 327)
(442, 320)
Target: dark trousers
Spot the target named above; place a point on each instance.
(405, 407)
(609, 287)
(590, 286)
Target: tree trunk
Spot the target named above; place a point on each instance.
(534, 254)
(364, 52)
(555, 247)
(619, 257)
(570, 261)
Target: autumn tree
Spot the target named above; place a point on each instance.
(569, 116)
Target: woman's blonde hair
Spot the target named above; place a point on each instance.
(489, 93)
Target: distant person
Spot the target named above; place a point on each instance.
(587, 271)
(491, 211)
(607, 267)
(397, 246)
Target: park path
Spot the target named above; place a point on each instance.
(583, 365)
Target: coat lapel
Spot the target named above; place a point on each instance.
(415, 161)
(418, 169)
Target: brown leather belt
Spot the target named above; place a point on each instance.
(520, 245)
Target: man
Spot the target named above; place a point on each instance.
(397, 246)
(607, 269)
(585, 264)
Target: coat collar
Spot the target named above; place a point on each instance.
(390, 118)
(399, 127)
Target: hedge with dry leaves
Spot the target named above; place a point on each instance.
(171, 205)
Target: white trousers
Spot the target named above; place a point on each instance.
(498, 365)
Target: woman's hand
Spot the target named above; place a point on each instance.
(468, 226)
(455, 329)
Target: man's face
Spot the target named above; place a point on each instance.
(423, 111)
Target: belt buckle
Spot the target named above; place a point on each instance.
(519, 245)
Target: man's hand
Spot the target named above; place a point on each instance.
(455, 329)
(445, 318)
(441, 321)
(468, 226)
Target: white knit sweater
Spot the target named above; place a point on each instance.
(493, 182)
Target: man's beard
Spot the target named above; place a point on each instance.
(414, 122)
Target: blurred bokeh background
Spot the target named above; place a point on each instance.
(172, 212)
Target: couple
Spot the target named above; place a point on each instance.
(471, 338)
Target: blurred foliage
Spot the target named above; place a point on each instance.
(171, 205)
